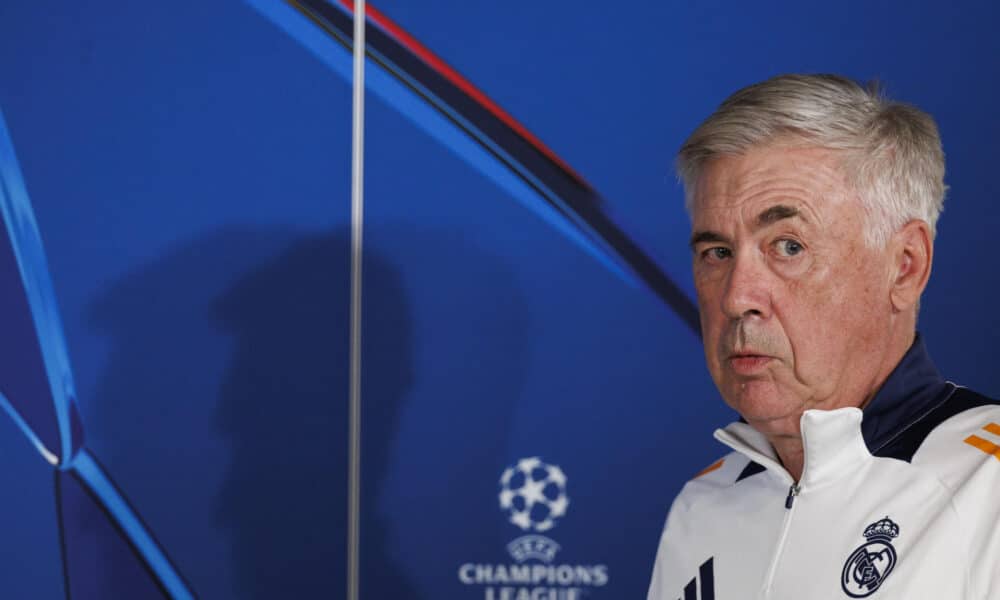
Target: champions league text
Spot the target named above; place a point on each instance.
(533, 582)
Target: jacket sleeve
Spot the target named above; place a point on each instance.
(676, 567)
(664, 583)
(965, 453)
(977, 501)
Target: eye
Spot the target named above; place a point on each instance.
(788, 247)
(716, 253)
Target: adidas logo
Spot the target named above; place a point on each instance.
(705, 580)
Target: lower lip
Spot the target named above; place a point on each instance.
(748, 365)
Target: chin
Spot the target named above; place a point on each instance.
(766, 410)
(776, 427)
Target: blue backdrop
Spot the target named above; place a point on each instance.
(188, 167)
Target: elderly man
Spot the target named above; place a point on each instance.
(857, 470)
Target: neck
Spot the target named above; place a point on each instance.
(790, 448)
(791, 453)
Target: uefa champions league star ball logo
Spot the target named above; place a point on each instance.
(533, 494)
(533, 497)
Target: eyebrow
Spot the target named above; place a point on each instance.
(777, 213)
(701, 237)
(772, 215)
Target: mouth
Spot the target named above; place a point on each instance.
(748, 363)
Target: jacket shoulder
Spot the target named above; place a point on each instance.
(963, 453)
(953, 413)
(683, 545)
(964, 444)
(716, 477)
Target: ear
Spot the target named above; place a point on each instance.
(913, 253)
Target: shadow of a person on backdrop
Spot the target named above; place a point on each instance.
(284, 408)
(149, 416)
(225, 390)
(222, 409)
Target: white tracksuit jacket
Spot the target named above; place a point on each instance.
(901, 501)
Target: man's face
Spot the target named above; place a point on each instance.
(794, 306)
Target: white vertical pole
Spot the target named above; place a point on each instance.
(357, 229)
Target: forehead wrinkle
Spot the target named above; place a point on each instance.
(796, 188)
(784, 173)
(786, 199)
(740, 187)
(733, 187)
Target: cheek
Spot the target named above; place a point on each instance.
(709, 311)
(859, 285)
(794, 268)
(711, 320)
(839, 316)
(705, 292)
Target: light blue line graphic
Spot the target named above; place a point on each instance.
(95, 478)
(417, 110)
(26, 429)
(18, 216)
(30, 255)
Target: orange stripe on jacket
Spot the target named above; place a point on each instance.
(984, 445)
(710, 468)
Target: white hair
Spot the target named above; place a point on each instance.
(892, 151)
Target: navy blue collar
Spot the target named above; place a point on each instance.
(896, 420)
(912, 390)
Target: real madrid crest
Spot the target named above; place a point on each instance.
(872, 562)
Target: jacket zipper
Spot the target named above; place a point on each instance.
(793, 492)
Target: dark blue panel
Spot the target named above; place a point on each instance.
(29, 529)
(99, 562)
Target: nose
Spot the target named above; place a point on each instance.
(748, 288)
